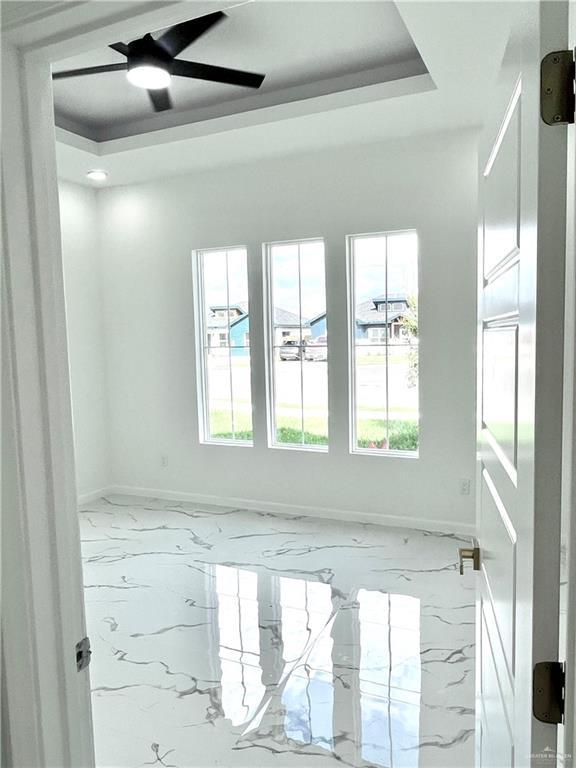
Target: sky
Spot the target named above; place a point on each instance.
(370, 263)
(287, 258)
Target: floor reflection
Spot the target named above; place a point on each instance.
(239, 643)
(308, 697)
(390, 678)
(386, 688)
(242, 639)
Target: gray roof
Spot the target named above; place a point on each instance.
(390, 298)
(367, 314)
(282, 318)
(285, 318)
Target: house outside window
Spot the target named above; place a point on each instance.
(223, 345)
(383, 282)
(297, 345)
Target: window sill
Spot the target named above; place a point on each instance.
(385, 453)
(233, 443)
(304, 448)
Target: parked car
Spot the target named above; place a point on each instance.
(291, 348)
(317, 349)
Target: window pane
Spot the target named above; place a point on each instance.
(315, 396)
(218, 394)
(402, 255)
(385, 340)
(299, 334)
(371, 422)
(227, 401)
(241, 400)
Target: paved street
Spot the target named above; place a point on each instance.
(370, 386)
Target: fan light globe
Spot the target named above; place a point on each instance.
(151, 78)
(96, 174)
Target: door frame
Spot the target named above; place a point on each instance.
(568, 604)
(43, 603)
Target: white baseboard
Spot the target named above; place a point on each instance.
(324, 513)
(86, 498)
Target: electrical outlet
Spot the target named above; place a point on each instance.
(163, 460)
(465, 486)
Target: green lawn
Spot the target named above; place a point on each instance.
(371, 432)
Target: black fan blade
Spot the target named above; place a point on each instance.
(120, 47)
(160, 98)
(89, 71)
(178, 37)
(216, 74)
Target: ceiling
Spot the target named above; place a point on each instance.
(430, 68)
(319, 47)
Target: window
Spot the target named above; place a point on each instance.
(223, 344)
(297, 358)
(384, 341)
(377, 335)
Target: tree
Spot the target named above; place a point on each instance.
(410, 325)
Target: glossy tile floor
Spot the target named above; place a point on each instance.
(223, 637)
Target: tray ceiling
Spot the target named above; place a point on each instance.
(305, 49)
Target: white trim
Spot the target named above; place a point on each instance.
(293, 510)
(90, 496)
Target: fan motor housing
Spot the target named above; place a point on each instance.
(146, 52)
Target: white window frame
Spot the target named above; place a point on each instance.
(352, 347)
(269, 343)
(201, 334)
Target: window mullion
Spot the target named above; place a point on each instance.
(301, 347)
(229, 347)
(386, 340)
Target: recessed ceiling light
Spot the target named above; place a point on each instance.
(149, 77)
(97, 175)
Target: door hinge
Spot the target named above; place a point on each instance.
(83, 654)
(557, 88)
(469, 553)
(548, 691)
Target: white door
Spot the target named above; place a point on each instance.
(521, 278)
(567, 744)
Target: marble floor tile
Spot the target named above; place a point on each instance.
(225, 637)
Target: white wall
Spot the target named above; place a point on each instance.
(84, 315)
(147, 232)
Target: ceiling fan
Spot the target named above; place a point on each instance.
(151, 63)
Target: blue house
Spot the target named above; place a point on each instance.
(382, 318)
(376, 320)
(286, 324)
(318, 325)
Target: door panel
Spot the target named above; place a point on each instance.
(501, 294)
(495, 737)
(521, 263)
(502, 196)
(499, 550)
(499, 389)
